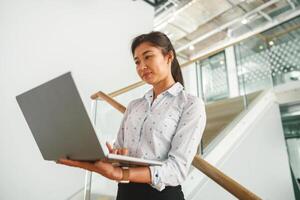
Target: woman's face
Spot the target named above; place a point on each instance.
(151, 65)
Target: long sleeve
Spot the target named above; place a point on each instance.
(183, 146)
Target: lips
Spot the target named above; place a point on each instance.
(146, 74)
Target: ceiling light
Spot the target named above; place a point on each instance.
(271, 43)
(261, 47)
(191, 48)
(244, 21)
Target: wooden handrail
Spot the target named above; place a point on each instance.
(223, 180)
(108, 99)
(219, 177)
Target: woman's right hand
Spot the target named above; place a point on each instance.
(122, 151)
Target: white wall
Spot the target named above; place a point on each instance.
(190, 79)
(232, 75)
(258, 161)
(39, 40)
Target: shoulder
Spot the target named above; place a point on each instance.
(193, 107)
(134, 103)
(190, 101)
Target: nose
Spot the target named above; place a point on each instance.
(142, 66)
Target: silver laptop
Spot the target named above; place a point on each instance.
(61, 126)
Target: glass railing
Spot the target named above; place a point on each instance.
(270, 58)
(214, 78)
(108, 119)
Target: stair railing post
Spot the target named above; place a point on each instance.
(88, 174)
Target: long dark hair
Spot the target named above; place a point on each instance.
(159, 39)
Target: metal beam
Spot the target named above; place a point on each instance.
(162, 7)
(228, 24)
(219, 47)
(265, 15)
(156, 3)
(160, 2)
(292, 4)
(150, 2)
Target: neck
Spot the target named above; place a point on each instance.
(162, 86)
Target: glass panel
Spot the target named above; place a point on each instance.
(214, 77)
(269, 58)
(253, 65)
(108, 119)
(200, 91)
(284, 43)
(290, 115)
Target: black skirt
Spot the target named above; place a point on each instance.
(143, 191)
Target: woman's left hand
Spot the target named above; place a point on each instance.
(102, 167)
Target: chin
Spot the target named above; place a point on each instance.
(149, 81)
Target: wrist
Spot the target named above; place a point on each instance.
(118, 174)
(122, 175)
(125, 174)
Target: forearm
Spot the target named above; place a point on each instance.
(139, 175)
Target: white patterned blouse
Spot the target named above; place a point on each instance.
(168, 129)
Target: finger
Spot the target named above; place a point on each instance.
(110, 149)
(125, 151)
(119, 152)
(115, 151)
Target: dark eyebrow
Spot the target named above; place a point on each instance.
(135, 58)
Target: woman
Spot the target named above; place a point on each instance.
(165, 124)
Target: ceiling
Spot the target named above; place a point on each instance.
(196, 25)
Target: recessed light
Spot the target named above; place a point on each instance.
(244, 21)
(191, 47)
